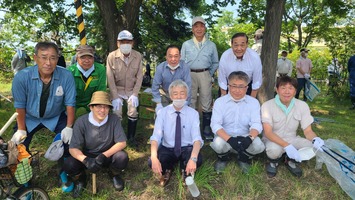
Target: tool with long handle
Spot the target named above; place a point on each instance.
(8, 123)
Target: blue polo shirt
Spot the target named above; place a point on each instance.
(27, 90)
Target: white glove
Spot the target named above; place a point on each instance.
(134, 99)
(212, 79)
(158, 108)
(19, 136)
(318, 143)
(307, 76)
(66, 134)
(292, 153)
(116, 103)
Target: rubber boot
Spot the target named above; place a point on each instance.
(206, 121)
(221, 163)
(352, 102)
(80, 181)
(131, 131)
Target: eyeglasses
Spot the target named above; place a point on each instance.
(102, 107)
(238, 87)
(50, 59)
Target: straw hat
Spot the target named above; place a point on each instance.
(101, 98)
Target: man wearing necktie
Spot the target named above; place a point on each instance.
(176, 136)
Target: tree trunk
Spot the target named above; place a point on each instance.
(115, 21)
(271, 42)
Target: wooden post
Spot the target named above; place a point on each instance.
(94, 183)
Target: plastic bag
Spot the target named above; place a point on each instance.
(344, 176)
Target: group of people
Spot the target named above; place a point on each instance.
(47, 96)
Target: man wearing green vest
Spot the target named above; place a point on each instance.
(89, 76)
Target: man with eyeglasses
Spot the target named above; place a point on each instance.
(236, 124)
(98, 142)
(240, 58)
(89, 76)
(44, 97)
(166, 72)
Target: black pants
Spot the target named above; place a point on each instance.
(116, 162)
(168, 159)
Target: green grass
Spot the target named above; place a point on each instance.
(229, 185)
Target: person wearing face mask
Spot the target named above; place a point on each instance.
(258, 37)
(166, 72)
(124, 71)
(176, 137)
(236, 124)
(304, 68)
(284, 66)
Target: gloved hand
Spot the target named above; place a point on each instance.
(116, 103)
(307, 76)
(158, 108)
(318, 143)
(236, 143)
(66, 134)
(292, 153)
(134, 99)
(91, 165)
(101, 159)
(19, 136)
(246, 142)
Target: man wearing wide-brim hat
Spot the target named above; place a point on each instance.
(98, 141)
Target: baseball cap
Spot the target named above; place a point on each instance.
(259, 32)
(55, 151)
(198, 19)
(304, 49)
(125, 35)
(84, 50)
(100, 98)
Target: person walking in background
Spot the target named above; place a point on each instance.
(19, 61)
(258, 37)
(166, 72)
(201, 56)
(351, 69)
(304, 68)
(240, 58)
(89, 76)
(124, 70)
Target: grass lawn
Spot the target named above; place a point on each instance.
(336, 121)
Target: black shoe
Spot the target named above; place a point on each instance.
(293, 168)
(271, 169)
(245, 166)
(78, 189)
(118, 183)
(208, 136)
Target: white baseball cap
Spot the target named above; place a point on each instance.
(125, 35)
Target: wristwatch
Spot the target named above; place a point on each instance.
(251, 137)
(194, 159)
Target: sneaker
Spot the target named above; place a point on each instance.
(220, 165)
(80, 184)
(244, 166)
(118, 183)
(293, 168)
(271, 169)
(164, 179)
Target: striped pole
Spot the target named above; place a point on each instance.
(79, 15)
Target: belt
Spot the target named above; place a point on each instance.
(199, 70)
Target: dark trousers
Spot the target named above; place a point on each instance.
(168, 159)
(61, 124)
(301, 84)
(117, 162)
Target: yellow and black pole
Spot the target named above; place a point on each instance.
(79, 15)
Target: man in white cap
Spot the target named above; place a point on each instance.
(258, 37)
(201, 55)
(124, 71)
(284, 65)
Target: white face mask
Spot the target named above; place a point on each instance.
(179, 103)
(173, 68)
(126, 48)
(306, 54)
(283, 58)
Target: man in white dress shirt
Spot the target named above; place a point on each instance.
(236, 124)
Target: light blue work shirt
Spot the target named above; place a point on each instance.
(165, 123)
(204, 58)
(163, 77)
(236, 118)
(27, 89)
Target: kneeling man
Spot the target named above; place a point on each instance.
(98, 141)
(236, 124)
(176, 136)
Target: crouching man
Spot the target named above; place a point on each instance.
(176, 136)
(236, 124)
(98, 141)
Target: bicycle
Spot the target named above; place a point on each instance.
(8, 183)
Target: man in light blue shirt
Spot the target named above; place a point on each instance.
(44, 97)
(166, 72)
(201, 55)
(236, 123)
(164, 139)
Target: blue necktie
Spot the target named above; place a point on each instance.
(177, 148)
